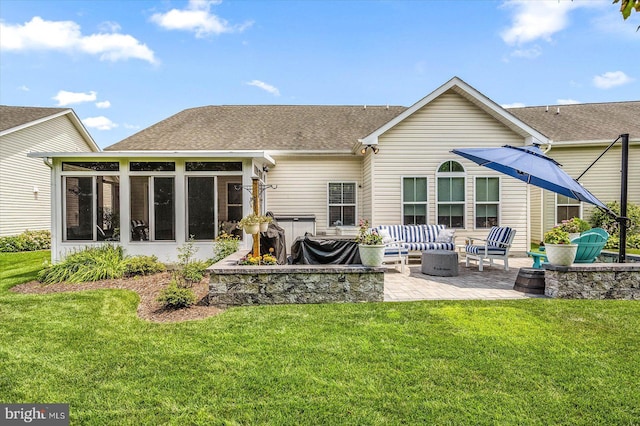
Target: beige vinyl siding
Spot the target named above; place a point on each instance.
(302, 185)
(422, 142)
(367, 184)
(535, 222)
(602, 180)
(20, 208)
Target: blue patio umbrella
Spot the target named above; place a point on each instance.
(530, 165)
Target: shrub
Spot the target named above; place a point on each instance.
(99, 263)
(142, 265)
(175, 296)
(91, 264)
(224, 245)
(193, 271)
(556, 235)
(600, 219)
(27, 241)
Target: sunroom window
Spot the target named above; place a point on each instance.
(152, 208)
(92, 208)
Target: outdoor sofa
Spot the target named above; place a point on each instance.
(400, 240)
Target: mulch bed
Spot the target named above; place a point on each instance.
(148, 287)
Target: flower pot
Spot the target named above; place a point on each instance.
(252, 229)
(264, 226)
(371, 255)
(561, 254)
(574, 235)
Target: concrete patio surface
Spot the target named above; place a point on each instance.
(492, 283)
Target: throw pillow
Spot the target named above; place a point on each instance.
(446, 236)
(386, 236)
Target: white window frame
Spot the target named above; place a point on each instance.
(462, 175)
(94, 174)
(403, 203)
(150, 194)
(475, 203)
(556, 205)
(355, 204)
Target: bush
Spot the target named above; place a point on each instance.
(142, 265)
(27, 241)
(193, 272)
(91, 264)
(224, 245)
(600, 219)
(176, 297)
(99, 263)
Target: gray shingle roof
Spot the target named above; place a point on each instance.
(583, 122)
(14, 116)
(262, 127)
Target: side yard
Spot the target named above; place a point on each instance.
(534, 361)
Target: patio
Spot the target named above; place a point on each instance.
(492, 283)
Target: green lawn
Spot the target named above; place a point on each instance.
(535, 361)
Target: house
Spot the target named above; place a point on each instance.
(580, 133)
(190, 175)
(25, 187)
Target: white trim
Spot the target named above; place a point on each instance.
(355, 204)
(472, 94)
(75, 120)
(104, 155)
(463, 175)
(475, 203)
(579, 204)
(402, 203)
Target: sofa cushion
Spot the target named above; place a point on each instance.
(429, 246)
(446, 236)
(480, 250)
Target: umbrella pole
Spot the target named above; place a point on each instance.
(622, 254)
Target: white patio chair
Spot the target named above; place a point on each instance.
(495, 246)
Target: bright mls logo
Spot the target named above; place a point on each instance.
(37, 414)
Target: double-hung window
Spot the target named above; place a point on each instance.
(91, 201)
(342, 203)
(566, 208)
(451, 194)
(487, 201)
(414, 200)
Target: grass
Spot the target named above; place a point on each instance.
(536, 361)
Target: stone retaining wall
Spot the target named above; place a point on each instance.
(593, 281)
(234, 285)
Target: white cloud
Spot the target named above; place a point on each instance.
(264, 86)
(567, 102)
(103, 104)
(39, 34)
(65, 98)
(611, 79)
(99, 123)
(540, 19)
(131, 126)
(23, 88)
(513, 105)
(531, 53)
(197, 18)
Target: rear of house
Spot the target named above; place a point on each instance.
(190, 175)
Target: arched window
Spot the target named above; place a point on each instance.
(451, 194)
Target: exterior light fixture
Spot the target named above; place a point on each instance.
(364, 149)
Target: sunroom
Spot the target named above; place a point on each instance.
(151, 202)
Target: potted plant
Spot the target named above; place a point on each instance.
(558, 247)
(574, 226)
(370, 245)
(264, 222)
(250, 223)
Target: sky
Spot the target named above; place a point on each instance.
(123, 66)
